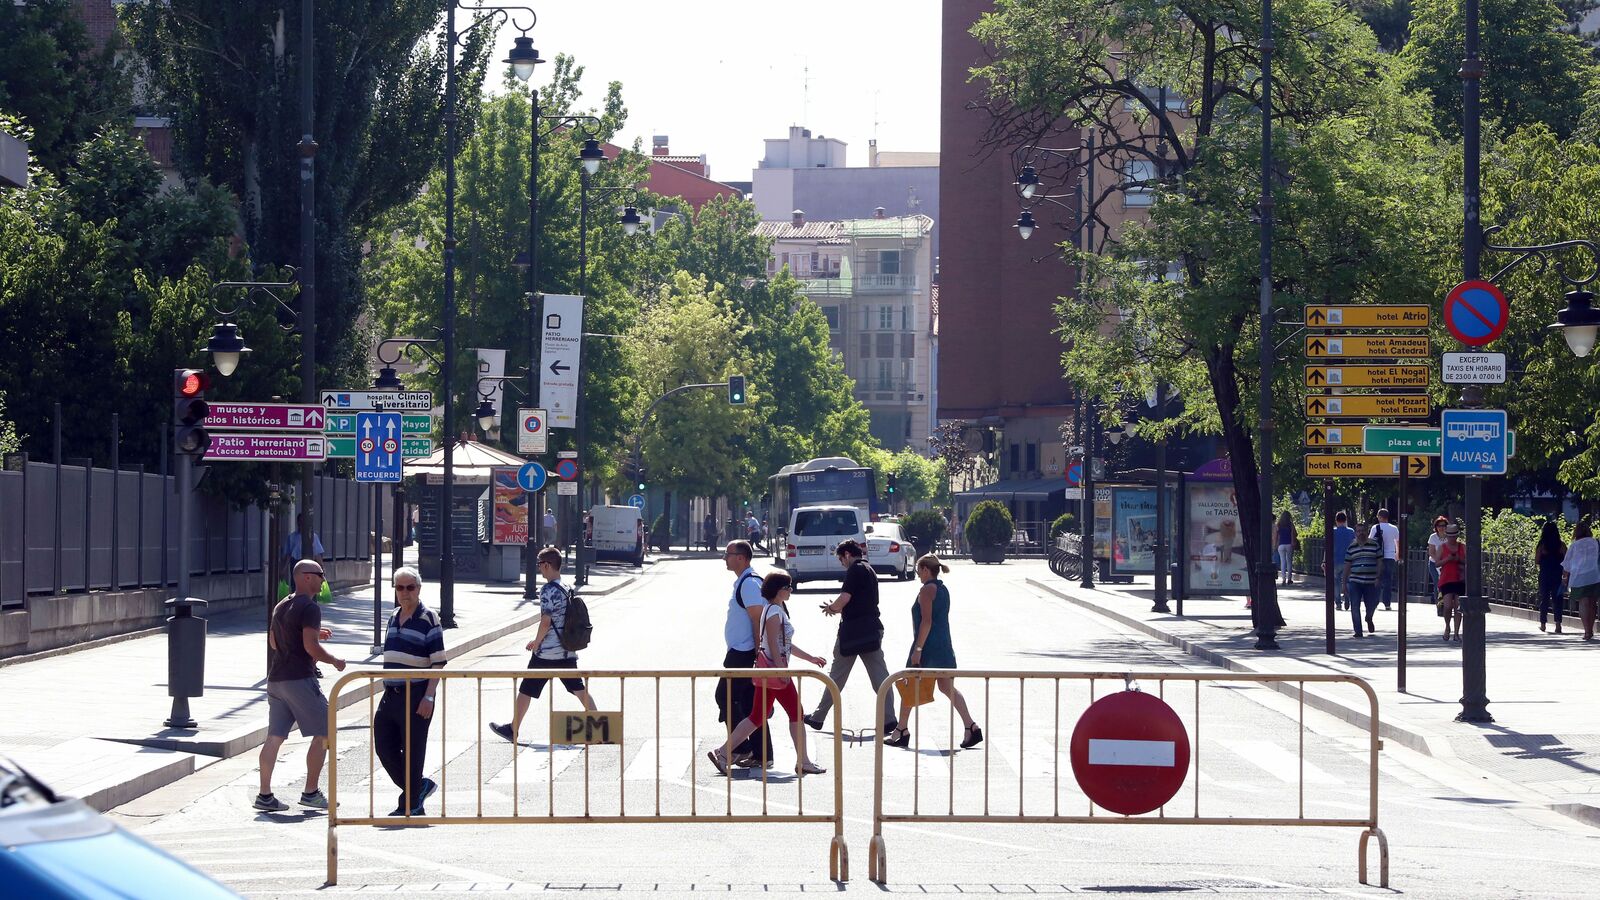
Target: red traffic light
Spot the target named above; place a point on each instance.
(190, 382)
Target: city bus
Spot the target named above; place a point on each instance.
(825, 481)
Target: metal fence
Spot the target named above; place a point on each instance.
(72, 527)
(1510, 580)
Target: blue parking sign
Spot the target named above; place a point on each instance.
(1472, 441)
(378, 438)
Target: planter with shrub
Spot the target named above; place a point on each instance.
(988, 532)
(924, 529)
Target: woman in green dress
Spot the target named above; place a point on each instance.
(931, 649)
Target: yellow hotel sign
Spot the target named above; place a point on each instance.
(1367, 376)
(1364, 465)
(1345, 346)
(1367, 316)
(1394, 406)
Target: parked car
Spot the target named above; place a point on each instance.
(888, 551)
(814, 531)
(56, 848)
(617, 533)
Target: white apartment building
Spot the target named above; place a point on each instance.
(873, 279)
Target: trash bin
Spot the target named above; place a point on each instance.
(186, 657)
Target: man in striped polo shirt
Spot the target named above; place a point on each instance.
(414, 640)
(1361, 565)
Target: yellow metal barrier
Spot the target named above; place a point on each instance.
(586, 730)
(877, 857)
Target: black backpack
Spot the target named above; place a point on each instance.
(576, 629)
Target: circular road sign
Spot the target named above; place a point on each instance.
(1475, 312)
(567, 470)
(636, 501)
(532, 423)
(531, 476)
(368, 445)
(1130, 752)
(1075, 474)
(390, 445)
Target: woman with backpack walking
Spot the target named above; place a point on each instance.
(550, 645)
(777, 645)
(1582, 574)
(932, 648)
(1548, 555)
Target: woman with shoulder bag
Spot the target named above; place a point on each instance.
(860, 633)
(1452, 557)
(777, 645)
(1582, 574)
(933, 649)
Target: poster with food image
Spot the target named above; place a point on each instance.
(1215, 541)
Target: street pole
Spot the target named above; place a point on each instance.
(1091, 421)
(530, 550)
(1265, 610)
(1161, 507)
(306, 276)
(1402, 575)
(581, 572)
(1330, 575)
(447, 557)
(1474, 677)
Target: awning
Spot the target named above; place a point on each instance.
(470, 463)
(1017, 488)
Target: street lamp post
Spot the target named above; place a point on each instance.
(306, 275)
(1265, 615)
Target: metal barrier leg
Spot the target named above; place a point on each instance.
(838, 859)
(1383, 856)
(877, 860)
(333, 856)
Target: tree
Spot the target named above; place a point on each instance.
(1534, 70)
(1359, 198)
(918, 479)
(1390, 20)
(53, 77)
(227, 74)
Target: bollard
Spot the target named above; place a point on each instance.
(186, 658)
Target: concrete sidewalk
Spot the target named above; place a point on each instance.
(1546, 733)
(90, 722)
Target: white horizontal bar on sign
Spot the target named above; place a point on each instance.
(1103, 752)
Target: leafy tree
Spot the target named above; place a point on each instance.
(8, 431)
(52, 76)
(1390, 20)
(924, 528)
(228, 74)
(918, 479)
(1534, 71)
(1359, 199)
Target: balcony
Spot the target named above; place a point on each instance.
(836, 286)
(885, 284)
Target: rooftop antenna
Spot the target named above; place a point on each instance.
(805, 93)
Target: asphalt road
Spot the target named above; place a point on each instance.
(1450, 833)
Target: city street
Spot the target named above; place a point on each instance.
(1450, 833)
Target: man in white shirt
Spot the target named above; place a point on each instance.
(736, 696)
(1388, 537)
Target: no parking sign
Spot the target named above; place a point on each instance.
(533, 432)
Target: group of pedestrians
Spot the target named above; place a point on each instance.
(1564, 571)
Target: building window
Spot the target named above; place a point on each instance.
(1136, 177)
(814, 262)
(1172, 100)
(1016, 460)
(1033, 457)
(831, 313)
(786, 261)
(908, 346)
(885, 345)
(772, 265)
(866, 346)
(905, 318)
(889, 262)
(866, 317)
(886, 318)
(885, 375)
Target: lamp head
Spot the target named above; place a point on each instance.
(591, 156)
(1579, 322)
(485, 414)
(630, 220)
(523, 58)
(1028, 182)
(226, 347)
(1025, 225)
(388, 380)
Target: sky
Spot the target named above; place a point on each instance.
(719, 76)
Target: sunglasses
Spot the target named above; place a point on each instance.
(408, 587)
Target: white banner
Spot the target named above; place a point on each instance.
(492, 364)
(561, 336)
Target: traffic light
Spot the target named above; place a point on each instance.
(639, 478)
(891, 484)
(736, 390)
(189, 411)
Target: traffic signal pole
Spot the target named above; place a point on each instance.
(306, 275)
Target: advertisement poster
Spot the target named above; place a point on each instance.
(1217, 563)
(1134, 521)
(1102, 523)
(510, 507)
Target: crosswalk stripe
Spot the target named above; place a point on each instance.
(537, 762)
(1277, 762)
(676, 755)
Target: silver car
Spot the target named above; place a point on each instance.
(888, 551)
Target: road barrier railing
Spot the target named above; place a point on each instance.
(1050, 758)
(461, 702)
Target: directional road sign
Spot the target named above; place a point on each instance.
(264, 417)
(1474, 442)
(532, 434)
(636, 501)
(1393, 406)
(378, 447)
(1466, 368)
(1364, 465)
(345, 423)
(558, 358)
(1367, 316)
(410, 447)
(1367, 376)
(1380, 346)
(259, 447)
(1475, 312)
(1130, 752)
(1334, 435)
(391, 401)
(531, 477)
(567, 470)
(1416, 441)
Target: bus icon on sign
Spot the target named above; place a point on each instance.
(1473, 431)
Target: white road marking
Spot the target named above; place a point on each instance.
(676, 755)
(1277, 762)
(535, 762)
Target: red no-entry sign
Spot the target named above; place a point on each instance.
(1130, 752)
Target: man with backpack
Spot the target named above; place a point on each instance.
(736, 696)
(564, 629)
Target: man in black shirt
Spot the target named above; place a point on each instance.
(860, 634)
(293, 695)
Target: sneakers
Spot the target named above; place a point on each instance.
(315, 800)
(814, 721)
(504, 731)
(269, 803)
(423, 793)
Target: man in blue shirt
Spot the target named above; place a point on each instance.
(1342, 536)
(414, 640)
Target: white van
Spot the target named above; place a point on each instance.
(617, 533)
(814, 532)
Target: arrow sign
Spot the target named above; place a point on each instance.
(410, 447)
(345, 423)
(1368, 316)
(1417, 466)
(558, 367)
(378, 456)
(1393, 406)
(393, 401)
(1363, 465)
(1334, 435)
(560, 341)
(1316, 317)
(1367, 376)
(259, 447)
(1345, 346)
(264, 417)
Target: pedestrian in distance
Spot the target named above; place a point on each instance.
(1452, 557)
(1582, 574)
(550, 526)
(1286, 543)
(932, 648)
(294, 641)
(1388, 537)
(776, 647)
(1548, 555)
(1361, 564)
(549, 646)
(1343, 534)
(414, 640)
(741, 633)
(1435, 541)
(860, 633)
(752, 526)
(708, 531)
